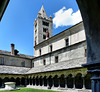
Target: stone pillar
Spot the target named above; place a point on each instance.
(32, 81)
(90, 11)
(20, 81)
(73, 82)
(47, 82)
(66, 82)
(29, 81)
(38, 81)
(52, 82)
(2, 83)
(35, 82)
(58, 82)
(25, 82)
(83, 82)
(43, 82)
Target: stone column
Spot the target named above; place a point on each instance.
(29, 81)
(90, 11)
(58, 82)
(2, 83)
(38, 81)
(35, 82)
(20, 81)
(47, 82)
(32, 81)
(42, 82)
(52, 82)
(66, 82)
(73, 82)
(25, 82)
(83, 82)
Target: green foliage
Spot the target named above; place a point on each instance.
(30, 90)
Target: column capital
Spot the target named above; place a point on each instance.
(65, 76)
(73, 76)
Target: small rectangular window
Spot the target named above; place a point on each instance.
(40, 52)
(44, 62)
(45, 23)
(44, 36)
(23, 64)
(56, 59)
(50, 48)
(1, 61)
(67, 42)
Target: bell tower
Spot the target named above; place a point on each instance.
(43, 27)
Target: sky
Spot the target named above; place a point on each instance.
(17, 24)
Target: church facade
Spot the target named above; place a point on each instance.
(57, 60)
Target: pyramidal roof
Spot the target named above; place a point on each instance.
(43, 13)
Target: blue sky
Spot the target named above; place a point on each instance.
(17, 23)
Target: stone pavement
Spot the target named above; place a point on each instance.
(59, 89)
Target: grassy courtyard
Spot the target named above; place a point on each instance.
(30, 90)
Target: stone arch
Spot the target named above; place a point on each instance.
(56, 81)
(88, 81)
(17, 81)
(0, 82)
(12, 79)
(6, 79)
(62, 80)
(70, 81)
(79, 81)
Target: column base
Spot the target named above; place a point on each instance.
(83, 88)
(94, 69)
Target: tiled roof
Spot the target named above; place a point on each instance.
(75, 63)
(19, 55)
(13, 70)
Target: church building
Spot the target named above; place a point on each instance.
(57, 61)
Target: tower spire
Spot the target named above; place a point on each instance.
(43, 13)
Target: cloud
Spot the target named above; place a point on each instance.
(65, 17)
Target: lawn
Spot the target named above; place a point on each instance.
(30, 90)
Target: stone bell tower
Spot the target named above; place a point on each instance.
(43, 27)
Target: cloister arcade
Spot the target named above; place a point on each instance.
(77, 81)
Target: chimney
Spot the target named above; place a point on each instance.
(12, 49)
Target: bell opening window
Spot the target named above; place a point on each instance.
(45, 29)
(44, 36)
(45, 23)
(35, 25)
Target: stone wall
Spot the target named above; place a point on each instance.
(16, 61)
(75, 34)
(76, 51)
